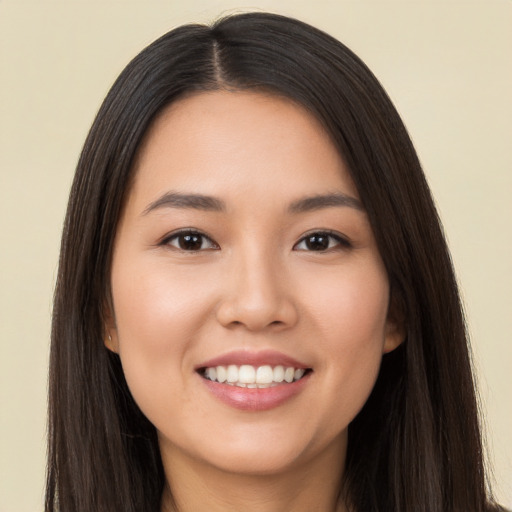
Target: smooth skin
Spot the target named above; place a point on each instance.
(261, 269)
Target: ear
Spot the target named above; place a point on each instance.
(110, 337)
(395, 325)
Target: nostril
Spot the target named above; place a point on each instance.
(255, 312)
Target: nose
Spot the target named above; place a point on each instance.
(257, 295)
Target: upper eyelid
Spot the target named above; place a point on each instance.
(323, 232)
(338, 236)
(334, 234)
(169, 236)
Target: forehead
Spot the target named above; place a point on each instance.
(228, 143)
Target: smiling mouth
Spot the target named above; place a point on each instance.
(255, 377)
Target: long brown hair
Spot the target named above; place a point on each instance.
(416, 444)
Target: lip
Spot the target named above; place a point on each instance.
(254, 399)
(260, 358)
(249, 399)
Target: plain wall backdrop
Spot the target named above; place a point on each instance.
(446, 64)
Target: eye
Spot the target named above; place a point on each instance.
(190, 241)
(321, 241)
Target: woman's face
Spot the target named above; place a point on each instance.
(243, 251)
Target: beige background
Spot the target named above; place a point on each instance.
(447, 65)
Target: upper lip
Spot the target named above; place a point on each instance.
(259, 358)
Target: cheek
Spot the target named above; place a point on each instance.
(351, 308)
(155, 302)
(159, 314)
(350, 320)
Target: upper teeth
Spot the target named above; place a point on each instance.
(251, 377)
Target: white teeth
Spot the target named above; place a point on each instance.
(248, 376)
(264, 375)
(289, 373)
(232, 373)
(222, 374)
(278, 374)
(298, 373)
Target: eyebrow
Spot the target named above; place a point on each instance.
(186, 201)
(319, 202)
(213, 204)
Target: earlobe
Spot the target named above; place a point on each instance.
(395, 325)
(395, 336)
(111, 342)
(110, 339)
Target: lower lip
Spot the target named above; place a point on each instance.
(255, 399)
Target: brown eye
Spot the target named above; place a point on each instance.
(321, 241)
(190, 241)
(317, 242)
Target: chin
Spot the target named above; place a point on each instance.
(257, 451)
(258, 462)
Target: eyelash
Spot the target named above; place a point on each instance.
(340, 241)
(191, 233)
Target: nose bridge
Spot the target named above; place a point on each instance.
(257, 295)
(258, 278)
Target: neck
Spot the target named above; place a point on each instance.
(311, 486)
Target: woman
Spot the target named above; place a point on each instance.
(255, 307)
